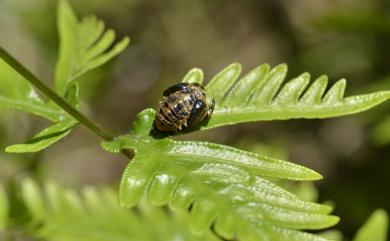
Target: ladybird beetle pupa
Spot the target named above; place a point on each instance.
(184, 105)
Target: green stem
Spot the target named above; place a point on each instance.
(30, 77)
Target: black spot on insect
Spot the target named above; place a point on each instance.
(183, 108)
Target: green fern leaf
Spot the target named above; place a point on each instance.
(64, 215)
(17, 93)
(45, 138)
(221, 184)
(84, 46)
(3, 209)
(49, 112)
(375, 228)
(261, 95)
(14, 86)
(195, 75)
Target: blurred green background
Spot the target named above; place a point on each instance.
(343, 39)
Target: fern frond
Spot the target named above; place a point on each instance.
(262, 95)
(84, 46)
(375, 228)
(39, 108)
(17, 93)
(64, 215)
(223, 186)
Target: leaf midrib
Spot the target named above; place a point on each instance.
(277, 108)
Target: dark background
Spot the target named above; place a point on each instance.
(343, 39)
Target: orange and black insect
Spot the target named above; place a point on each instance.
(184, 106)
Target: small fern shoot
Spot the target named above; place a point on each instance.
(84, 45)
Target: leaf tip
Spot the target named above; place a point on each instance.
(375, 228)
(144, 122)
(13, 149)
(64, 9)
(316, 176)
(342, 82)
(310, 175)
(195, 75)
(236, 65)
(121, 45)
(266, 66)
(234, 68)
(281, 67)
(381, 215)
(334, 220)
(323, 79)
(306, 75)
(125, 41)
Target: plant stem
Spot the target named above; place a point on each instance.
(30, 77)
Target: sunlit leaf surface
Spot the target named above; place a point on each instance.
(220, 185)
(84, 45)
(262, 94)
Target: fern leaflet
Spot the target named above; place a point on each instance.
(223, 186)
(45, 138)
(84, 46)
(261, 95)
(64, 215)
(17, 93)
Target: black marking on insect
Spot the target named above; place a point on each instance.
(184, 106)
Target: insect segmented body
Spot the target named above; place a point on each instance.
(184, 106)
